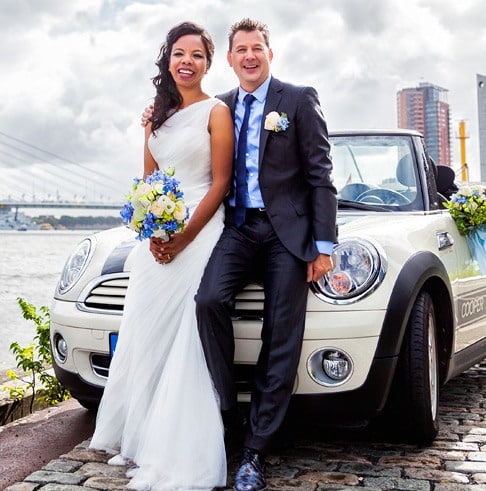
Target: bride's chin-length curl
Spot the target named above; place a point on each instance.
(168, 98)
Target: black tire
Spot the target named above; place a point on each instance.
(413, 405)
(90, 404)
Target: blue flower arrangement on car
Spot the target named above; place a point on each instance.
(468, 209)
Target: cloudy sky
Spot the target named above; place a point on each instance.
(76, 74)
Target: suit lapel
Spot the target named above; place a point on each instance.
(229, 98)
(273, 98)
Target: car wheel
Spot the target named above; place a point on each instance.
(90, 404)
(414, 398)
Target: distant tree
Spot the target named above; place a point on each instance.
(80, 222)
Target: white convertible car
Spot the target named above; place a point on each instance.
(402, 312)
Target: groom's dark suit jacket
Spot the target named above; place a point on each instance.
(295, 169)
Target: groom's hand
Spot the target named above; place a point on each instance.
(321, 265)
(147, 115)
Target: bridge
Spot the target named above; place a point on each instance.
(32, 177)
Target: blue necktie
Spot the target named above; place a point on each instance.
(240, 167)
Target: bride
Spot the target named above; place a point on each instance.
(159, 411)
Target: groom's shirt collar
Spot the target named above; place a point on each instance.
(260, 93)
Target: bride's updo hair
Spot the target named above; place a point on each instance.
(167, 98)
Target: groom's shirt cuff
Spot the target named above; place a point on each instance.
(325, 247)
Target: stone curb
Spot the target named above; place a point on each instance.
(332, 459)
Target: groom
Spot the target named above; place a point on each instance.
(281, 213)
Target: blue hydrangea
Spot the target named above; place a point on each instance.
(283, 123)
(126, 213)
(147, 226)
(170, 226)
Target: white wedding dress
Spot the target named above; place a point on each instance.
(159, 409)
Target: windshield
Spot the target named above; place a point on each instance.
(376, 171)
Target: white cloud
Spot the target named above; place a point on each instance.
(76, 75)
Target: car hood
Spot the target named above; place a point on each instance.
(115, 247)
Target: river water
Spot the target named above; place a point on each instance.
(30, 265)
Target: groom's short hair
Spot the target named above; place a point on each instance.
(249, 25)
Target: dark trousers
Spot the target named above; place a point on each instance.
(285, 288)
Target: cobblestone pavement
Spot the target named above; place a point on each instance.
(348, 460)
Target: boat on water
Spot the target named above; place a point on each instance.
(10, 220)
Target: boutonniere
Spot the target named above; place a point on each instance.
(276, 122)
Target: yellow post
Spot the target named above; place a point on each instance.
(462, 143)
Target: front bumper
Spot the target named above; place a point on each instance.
(356, 333)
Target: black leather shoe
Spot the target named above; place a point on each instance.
(250, 475)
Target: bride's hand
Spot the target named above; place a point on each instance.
(157, 250)
(147, 115)
(166, 251)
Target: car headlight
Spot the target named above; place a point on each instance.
(74, 267)
(358, 269)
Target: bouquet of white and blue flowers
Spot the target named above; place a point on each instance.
(155, 207)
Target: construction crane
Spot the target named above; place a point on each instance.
(462, 145)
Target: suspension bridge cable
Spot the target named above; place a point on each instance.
(110, 184)
(18, 140)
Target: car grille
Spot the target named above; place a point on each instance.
(107, 295)
(249, 303)
(100, 365)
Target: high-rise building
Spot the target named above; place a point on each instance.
(481, 87)
(425, 109)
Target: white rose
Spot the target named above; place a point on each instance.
(142, 194)
(170, 207)
(142, 190)
(271, 120)
(179, 211)
(156, 209)
(166, 204)
(465, 190)
(162, 201)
